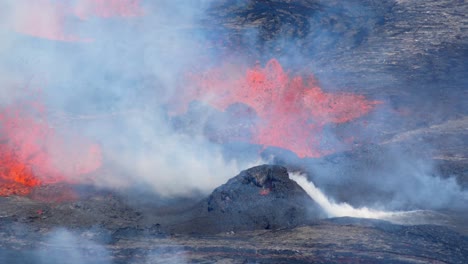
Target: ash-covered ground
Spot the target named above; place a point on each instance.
(407, 158)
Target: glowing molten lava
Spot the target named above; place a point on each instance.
(31, 153)
(293, 111)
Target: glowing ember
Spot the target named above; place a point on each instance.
(293, 111)
(31, 152)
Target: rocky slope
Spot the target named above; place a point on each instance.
(410, 54)
(258, 216)
(261, 197)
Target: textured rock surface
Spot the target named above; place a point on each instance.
(332, 241)
(103, 228)
(411, 53)
(262, 197)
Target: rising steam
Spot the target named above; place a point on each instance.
(336, 209)
(106, 92)
(84, 97)
(343, 209)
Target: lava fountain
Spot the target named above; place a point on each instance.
(32, 152)
(293, 111)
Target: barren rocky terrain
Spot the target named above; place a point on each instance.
(412, 55)
(238, 223)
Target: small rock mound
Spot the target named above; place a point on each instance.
(262, 197)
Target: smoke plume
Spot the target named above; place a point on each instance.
(125, 94)
(102, 73)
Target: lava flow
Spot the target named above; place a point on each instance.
(32, 154)
(293, 111)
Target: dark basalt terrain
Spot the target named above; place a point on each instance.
(262, 197)
(281, 226)
(340, 240)
(410, 54)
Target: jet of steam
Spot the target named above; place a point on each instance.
(333, 209)
(336, 209)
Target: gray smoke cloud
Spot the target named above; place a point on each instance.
(352, 47)
(389, 180)
(86, 246)
(63, 245)
(111, 78)
(75, 248)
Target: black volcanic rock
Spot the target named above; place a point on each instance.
(261, 197)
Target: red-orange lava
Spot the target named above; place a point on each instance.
(293, 110)
(31, 152)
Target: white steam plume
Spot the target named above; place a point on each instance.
(333, 209)
(336, 209)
